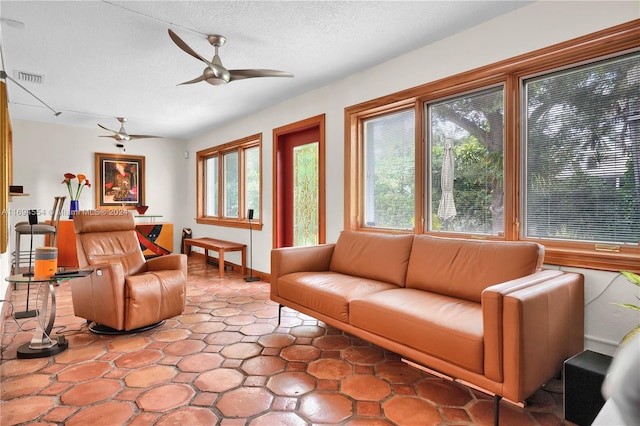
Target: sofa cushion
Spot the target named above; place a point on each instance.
(464, 268)
(441, 326)
(382, 257)
(328, 293)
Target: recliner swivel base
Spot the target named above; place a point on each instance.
(103, 329)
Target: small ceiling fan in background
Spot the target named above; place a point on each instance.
(122, 135)
(215, 73)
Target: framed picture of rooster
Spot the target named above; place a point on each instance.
(120, 181)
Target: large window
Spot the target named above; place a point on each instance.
(229, 183)
(582, 138)
(466, 135)
(542, 147)
(389, 170)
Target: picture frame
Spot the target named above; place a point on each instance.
(120, 181)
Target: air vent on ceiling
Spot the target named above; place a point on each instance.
(28, 77)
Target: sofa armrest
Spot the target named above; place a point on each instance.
(492, 306)
(99, 296)
(288, 260)
(543, 325)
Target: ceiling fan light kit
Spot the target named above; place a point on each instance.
(215, 73)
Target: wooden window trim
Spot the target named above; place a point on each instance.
(239, 145)
(613, 41)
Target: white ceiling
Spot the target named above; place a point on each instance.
(104, 59)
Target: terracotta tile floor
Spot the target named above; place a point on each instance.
(225, 361)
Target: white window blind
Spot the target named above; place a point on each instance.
(211, 185)
(231, 181)
(389, 167)
(582, 143)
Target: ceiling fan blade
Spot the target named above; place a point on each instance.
(13, 23)
(195, 80)
(242, 74)
(112, 137)
(184, 46)
(101, 126)
(144, 136)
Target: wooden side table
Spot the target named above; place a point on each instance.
(220, 246)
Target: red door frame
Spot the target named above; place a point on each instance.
(284, 140)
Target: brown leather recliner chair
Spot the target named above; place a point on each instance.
(125, 292)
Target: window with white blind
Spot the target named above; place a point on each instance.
(229, 183)
(582, 145)
(389, 171)
(211, 183)
(252, 180)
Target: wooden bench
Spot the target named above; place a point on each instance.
(221, 247)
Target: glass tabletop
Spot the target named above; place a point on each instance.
(22, 278)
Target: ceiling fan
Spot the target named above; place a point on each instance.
(122, 135)
(215, 73)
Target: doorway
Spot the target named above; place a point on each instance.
(299, 183)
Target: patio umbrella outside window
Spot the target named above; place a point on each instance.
(447, 208)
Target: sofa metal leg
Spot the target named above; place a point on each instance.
(496, 410)
(280, 306)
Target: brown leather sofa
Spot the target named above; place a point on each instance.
(482, 312)
(125, 292)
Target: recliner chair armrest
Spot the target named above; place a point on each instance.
(99, 296)
(175, 261)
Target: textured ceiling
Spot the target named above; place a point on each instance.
(104, 59)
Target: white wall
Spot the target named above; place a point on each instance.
(43, 153)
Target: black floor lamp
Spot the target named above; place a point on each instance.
(250, 278)
(33, 220)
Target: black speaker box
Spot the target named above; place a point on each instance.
(33, 217)
(583, 377)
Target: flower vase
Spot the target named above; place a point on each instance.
(73, 208)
